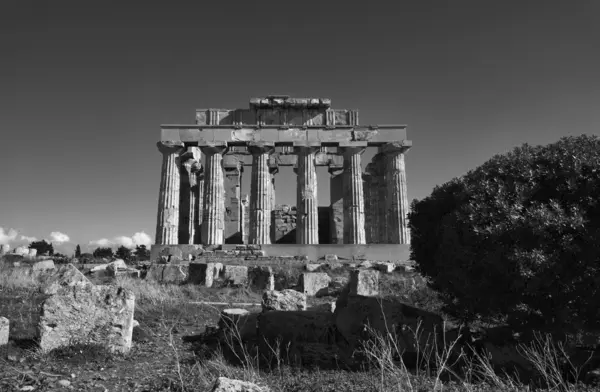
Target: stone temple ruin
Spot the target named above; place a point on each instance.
(200, 202)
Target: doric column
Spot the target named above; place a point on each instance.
(214, 196)
(199, 205)
(188, 205)
(354, 205)
(307, 203)
(378, 171)
(167, 221)
(397, 195)
(336, 206)
(369, 190)
(260, 194)
(273, 170)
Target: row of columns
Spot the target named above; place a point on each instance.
(386, 205)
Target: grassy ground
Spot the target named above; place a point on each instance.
(166, 355)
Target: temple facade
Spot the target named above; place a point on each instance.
(200, 199)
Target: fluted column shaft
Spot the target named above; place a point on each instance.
(382, 191)
(167, 221)
(307, 203)
(397, 195)
(214, 197)
(260, 195)
(354, 205)
(188, 205)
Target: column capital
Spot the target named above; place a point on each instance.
(398, 147)
(170, 147)
(212, 149)
(191, 153)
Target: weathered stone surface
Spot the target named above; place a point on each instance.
(115, 266)
(236, 275)
(4, 330)
(22, 250)
(314, 283)
(364, 282)
(330, 258)
(366, 264)
(65, 276)
(168, 273)
(353, 314)
(386, 268)
(43, 265)
(89, 315)
(32, 252)
(312, 267)
(4, 249)
(261, 278)
(286, 300)
(260, 194)
(224, 384)
(204, 274)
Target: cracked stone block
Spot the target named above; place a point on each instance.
(236, 275)
(364, 282)
(65, 276)
(87, 315)
(314, 283)
(4, 330)
(262, 278)
(168, 273)
(312, 267)
(286, 300)
(204, 274)
(43, 265)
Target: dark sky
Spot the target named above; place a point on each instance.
(86, 84)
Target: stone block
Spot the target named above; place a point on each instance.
(32, 252)
(4, 330)
(312, 267)
(65, 276)
(204, 274)
(100, 315)
(168, 273)
(314, 283)
(386, 268)
(115, 266)
(364, 282)
(22, 250)
(236, 275)
(358, 317)
(4, 249)
(43, 265)
(285, 300)
(331, 258)
(261, 278)
(224, 384)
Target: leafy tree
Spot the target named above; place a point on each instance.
(516, 239)
(103, 252)
(42, 247)
(142, 253)
(78, 251)
(123, 253)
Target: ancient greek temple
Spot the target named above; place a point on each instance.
(200, 200)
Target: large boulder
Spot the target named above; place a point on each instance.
(224, 384)
(101, 315)
(42, 266)
(22, 250)
(65, 276)
(314, 283)
(114, 267)
(286, 300)
(4, 330)
(358, 318)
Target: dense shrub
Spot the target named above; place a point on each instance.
(518, 238)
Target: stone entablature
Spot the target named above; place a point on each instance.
(203, 165)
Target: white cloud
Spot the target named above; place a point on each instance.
(139, 238)
(8, 236)
(28, 239)
(57, 236)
